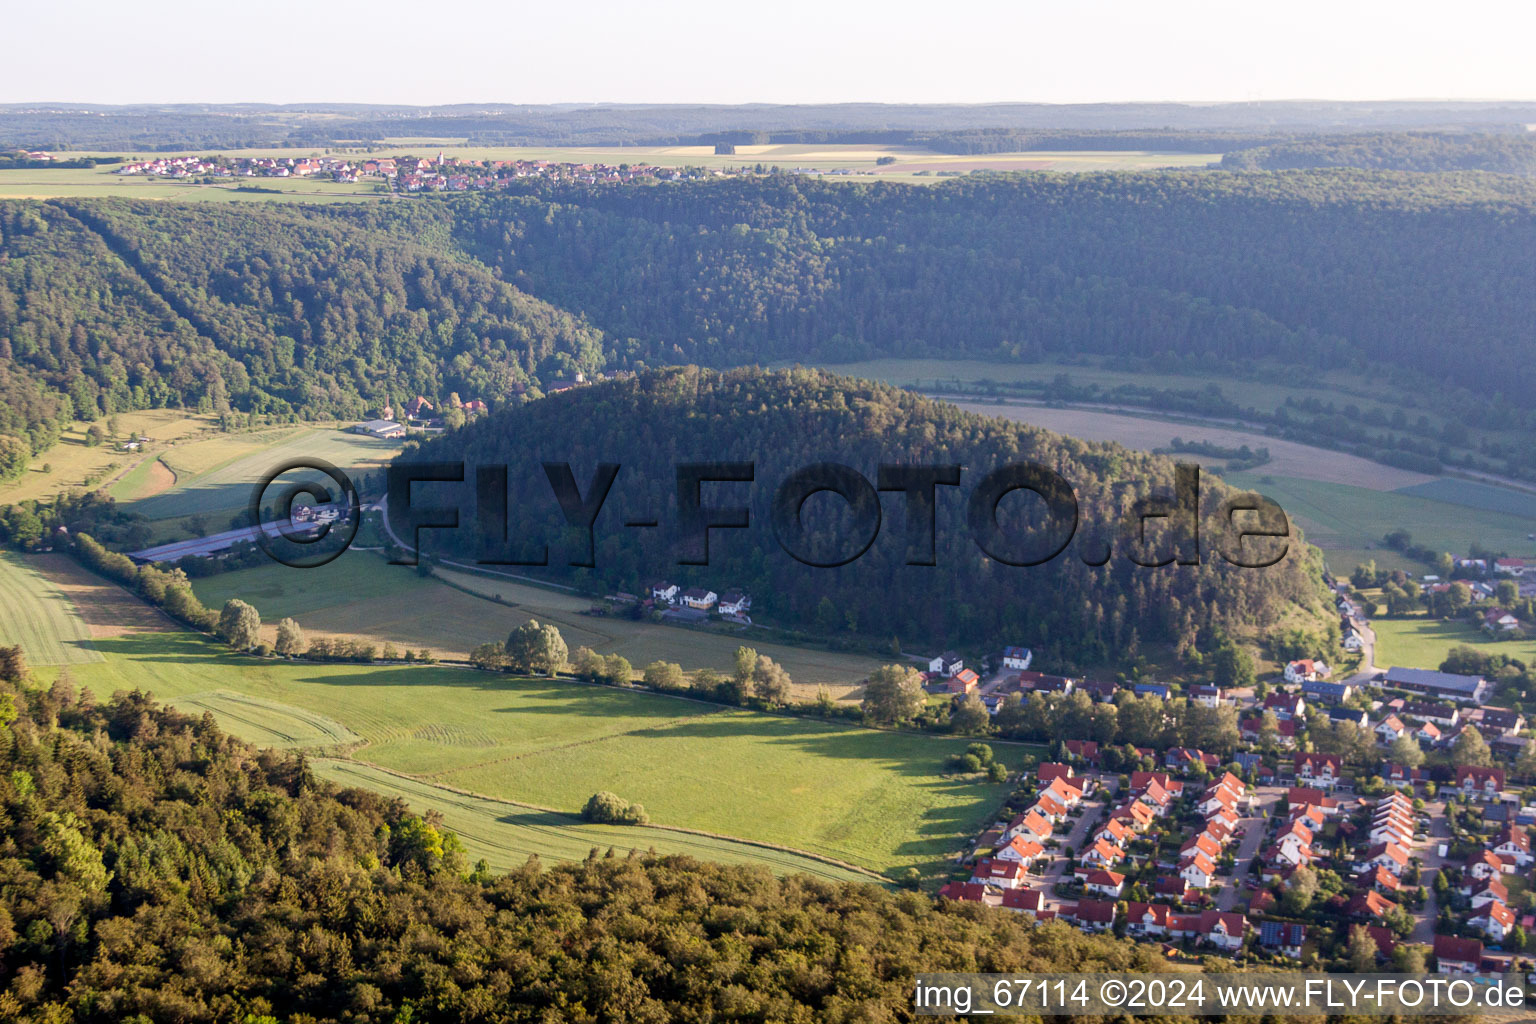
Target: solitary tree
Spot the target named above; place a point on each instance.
(770, 683)
(535, 648)
(239, 624)
(893, 694)
(290, 638)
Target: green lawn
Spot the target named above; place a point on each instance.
(36, 614)
(1422, 642)
(870, 798)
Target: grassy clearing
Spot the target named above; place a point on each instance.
(506, 835)
(361, 595)
(869, 798)
(37, 614)
(1422, 642)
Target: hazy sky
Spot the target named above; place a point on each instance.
(790, 51)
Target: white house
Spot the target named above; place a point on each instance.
(665, 592)
(1017, 658)
(1389, 729)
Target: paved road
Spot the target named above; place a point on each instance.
(1439, 831)
(1254, 828)
(1081, 827)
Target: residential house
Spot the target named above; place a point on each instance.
(1429, 734)
(1151, 690)
(1006, 874)
(700, 598)
(1207, 696)
(1306, 670)
(1370, 905)
(1199, 871)
(1482, 783)
(1401, 773)
(1297, 795)
(1389, 730)
(417, 407)
(964, 681)
(666, 592)
(1319, 692)
(1497, 620)
(1457, 956)
(946, 664)
(1495, 920)
(1021, 849)
(1017, 658)
(969, 892)
(1354, 716)
(1135, 815)
(1487, 864)
(1285, 729)
(734, 602)
(1104, 883)
(1171, 887)
(1323, 771)
(1378, 878)
(1024, 901)
(1512, 566)
(1490, 890)
(1499, 722)
(1443, 715)
(1102, 855)
(1285, 706)
(1086, 751)
(1115, 832)
(1031, 825)
(1100, 691)
(1390, 856)
(1514, 843)
(1049, 771)
(1143, 919)
(1093, 915)
(1283, 937)
(1222, 930)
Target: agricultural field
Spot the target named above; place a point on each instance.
(37, 614)
(100, 182)
(1349, 522)
(1421, 642)
(507, 834)
(361, 595)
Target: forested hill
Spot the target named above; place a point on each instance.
(156, 869)
(107, 306)
(1072, 614)
(1419, 280)
(1425, 273)
(1394, 151)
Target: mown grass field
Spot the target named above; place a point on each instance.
(361, 595)
(36, 613)
(870, 798)
(506, 835)
(100, 182)
(1422, 642)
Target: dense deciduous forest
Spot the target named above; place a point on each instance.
(336, 312)
(1317, 269)
(1399, 151)
(1070, 613)
(155, 869)
(288, 312)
